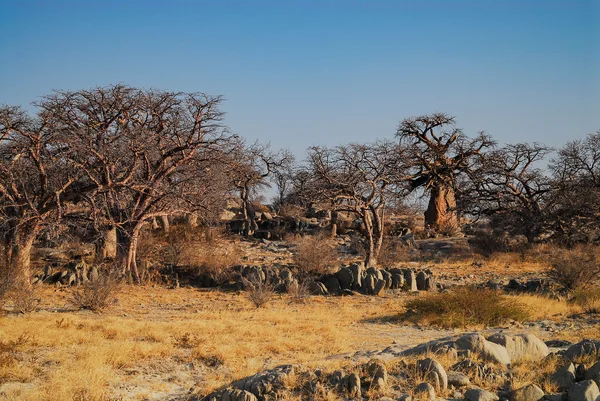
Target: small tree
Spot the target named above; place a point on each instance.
(359, 179)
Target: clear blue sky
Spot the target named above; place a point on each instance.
(300, 73)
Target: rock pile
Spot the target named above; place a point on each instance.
(404, 378)
(371, 281)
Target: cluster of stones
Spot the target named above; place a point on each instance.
(473, 352)
(371, 281)
(280, 279)
(74, 273)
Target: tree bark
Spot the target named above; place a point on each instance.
(18, 246)
(370, 257)
(163, 221)
(127, 251)
(378, 222)
(107, 246)
(441, 211)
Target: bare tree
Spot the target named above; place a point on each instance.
(35, 182)
(511, 188)
(359, 179)
(576, 190)
(135, 148)
(438, 153)
(249, 168)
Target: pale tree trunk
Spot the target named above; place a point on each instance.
(18, 247)
(441, 211)
(107, 246)
(192, 220)
(127, 251)
(370, 257)
(163, 221)
(378, 222)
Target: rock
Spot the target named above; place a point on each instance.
(421, 281)
(434, 372)
(353, 386)
(593, 373)
(521, 346)
(237, 395)
(357, 274)
(317, 288)
(478, 394)
(265, 382)
(457, 379)
(489, 350)
(473, 368)
(397, 279)
(556, 397)
(333, 285)
(564, 377)
(583, 348)
(558, 343)
(424, 391)
(586, 390)
(411, 280)
(471, 342)
(368, 284)
(345, 278)
(387, 277)
(530, 392)
(404, 397)
(379, 289)
(378, 372)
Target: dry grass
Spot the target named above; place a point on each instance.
(586, 298)
(465, 307)
(575, 268)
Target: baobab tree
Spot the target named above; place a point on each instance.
(135, 148)
(36, 182)
(360, 179)
(438, 152)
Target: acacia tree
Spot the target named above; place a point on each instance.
(510, 188)
(438, 153)
(360, 179)
(36, 181)
(576, 190)
(134, 148)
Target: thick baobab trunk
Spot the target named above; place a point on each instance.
(441, 211)
(107, 246)
(378, 221)
(17, 269)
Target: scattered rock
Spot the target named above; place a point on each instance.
(593, 373)
(530, 392)
(424, 391)
(586, 390)
(583, 348)
(564, 377)
(353, 386)
(434, 372)
(478, 394)
(458, 379)
(521, 346)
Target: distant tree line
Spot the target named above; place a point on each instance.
(112, 159)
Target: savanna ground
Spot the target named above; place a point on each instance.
(159, 343)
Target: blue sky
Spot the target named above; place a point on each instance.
(301, 73)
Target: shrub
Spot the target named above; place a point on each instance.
(463, 307)
(25, 299)
(298, 292)
(258, 292)
(315, 255)
(586, 298)
(575, 268)
(392, 252)
(96, 295)
(488, 243)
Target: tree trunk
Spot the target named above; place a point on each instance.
(17, 269)
(370, 257)
(192, 220)
(163, 221)
(127, 251)
(441, 211)
(107, 246)
(378, 222)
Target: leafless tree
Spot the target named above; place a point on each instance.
(35, 183)
(138, 149)
(249, 169)
(510, 187)
(576, 190)
(357, 178)
(438, 153)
